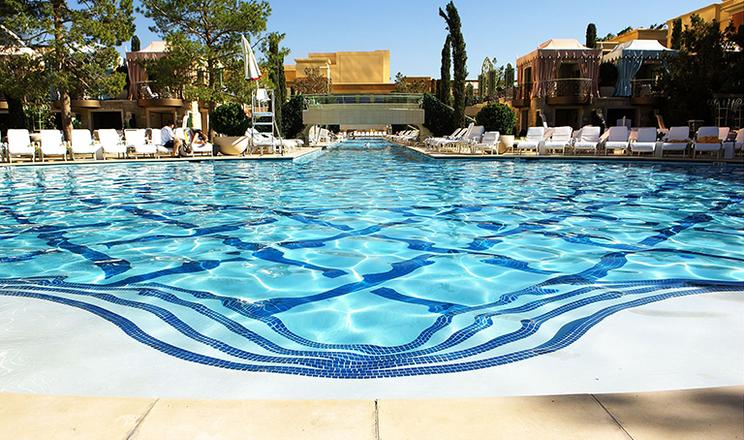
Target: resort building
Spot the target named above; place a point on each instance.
(725, 12)
(659, 35)
(347, 72)
(557, 83)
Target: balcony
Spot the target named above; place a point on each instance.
(151, 94)
(568, 91)
(645, 92)
(522, 95)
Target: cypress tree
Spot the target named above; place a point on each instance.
(443, 91)
(459, 61)
(591, 36)
(677, 34)
(135, 44)
(276, 75)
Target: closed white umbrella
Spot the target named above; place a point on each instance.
(252, 72)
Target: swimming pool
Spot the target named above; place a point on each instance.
(370, 261)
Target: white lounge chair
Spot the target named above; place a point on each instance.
(588, 139)
(434, 142)
(739, 141)
(472, 136)
(559, 139)
(156, 139)
(645, 141)
(206, 148)
(707, 141)
(19, 144)
(489, 142)
(618, 138)
(677, 139)
(533, 141)
(82, 143)
(135, 138)
(111, 143)
(53, 144)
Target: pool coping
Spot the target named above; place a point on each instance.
(713, 413)
(302, 153)
(574, 158)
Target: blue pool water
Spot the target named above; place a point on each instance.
(371, 260)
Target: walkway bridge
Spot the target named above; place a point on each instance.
(363, 111)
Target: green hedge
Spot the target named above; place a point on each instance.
(497, 117)
(438, 118)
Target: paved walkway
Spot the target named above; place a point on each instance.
(716, 413)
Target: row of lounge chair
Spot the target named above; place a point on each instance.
(588, 139)
(622, 139)
(134, 143)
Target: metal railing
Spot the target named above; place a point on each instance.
(645, 88)
(565, 87)
(393, 98)
(523, 91)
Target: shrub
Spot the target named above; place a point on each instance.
(438, 118)
(292, 116)
(230, 120)
(497, 117)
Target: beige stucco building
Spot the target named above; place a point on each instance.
(724, 12)
(348, 72)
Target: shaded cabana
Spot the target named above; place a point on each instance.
(136, 65)
(543, 69)
(630, 57)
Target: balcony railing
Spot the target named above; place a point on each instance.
(407, 99)
(568, 87)
(523, 92)
(152, 90)
(646, 88)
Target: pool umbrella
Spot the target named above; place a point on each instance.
(252, 72)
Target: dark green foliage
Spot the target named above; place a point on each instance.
(276, 74)
(292, 124)
(135, 44)
(80, 40)
(703, 68)
(208, 34)
(497, 117)
(438, 117)
(509, 75)
(676, 34)
(230, 120)
(459, 61)
(443, 87)
(591, 36)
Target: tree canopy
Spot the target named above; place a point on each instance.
(76, 42)
(459, 61)
(204, 35)
(444, 93)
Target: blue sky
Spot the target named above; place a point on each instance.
(414, 32)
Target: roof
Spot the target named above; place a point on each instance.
(648, 49)
(561, 47)
(156, 46)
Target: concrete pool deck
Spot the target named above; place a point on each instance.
(573, 157)
(713, 413)
(289, 156)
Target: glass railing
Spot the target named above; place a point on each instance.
(393, 98)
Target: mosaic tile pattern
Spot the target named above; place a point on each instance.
(368, 263)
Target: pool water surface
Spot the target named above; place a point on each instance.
(371, 260)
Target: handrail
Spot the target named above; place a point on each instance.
(393, 98)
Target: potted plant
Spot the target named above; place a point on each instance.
(496, 116)
(230, 121)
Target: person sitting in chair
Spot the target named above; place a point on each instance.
(169, 139)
